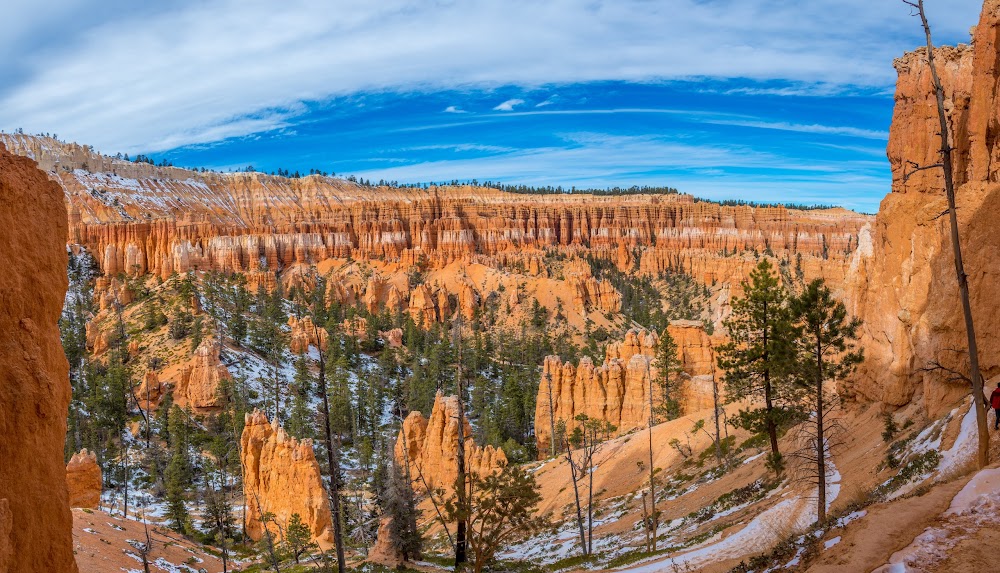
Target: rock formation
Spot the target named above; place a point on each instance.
(83, 479)
(138, 218)
(429, 445)
(281, 476)
(305, 334)
(201, 379)
(35, 522)
(383, 552)
(618, 390)
(905, 287)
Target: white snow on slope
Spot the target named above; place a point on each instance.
(760, 535)
(975, 507)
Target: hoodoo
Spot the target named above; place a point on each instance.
(35, 521)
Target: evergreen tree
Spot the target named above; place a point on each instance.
(180, 473)
(298, 538)
(667, 369)
(401, 505)
(758, 358)
(825, 351)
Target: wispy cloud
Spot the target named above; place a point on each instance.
(182, 71)
(813, 128)
(454, 109)
(551, 100)
(509, 105)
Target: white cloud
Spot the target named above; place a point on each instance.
(509, 105)
(551, 100)
(803, 128)
(123, 76)
(454, 109)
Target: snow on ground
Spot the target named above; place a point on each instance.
(965, 446)
(795, 513)
(975, 507)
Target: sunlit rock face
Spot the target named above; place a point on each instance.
(429, 447)
(903, 277)
(618, 389)
(83, 479)
(35, 521)
(281, 476)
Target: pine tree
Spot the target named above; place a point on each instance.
(180, 473)
(667, 369)
(298, 538)
(757, 359)
(401, 506)
(825, 351)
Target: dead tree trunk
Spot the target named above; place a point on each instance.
(460, 491)
(978, 401)
(331, 457)
(651, 544)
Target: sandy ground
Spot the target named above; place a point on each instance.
(101, 545)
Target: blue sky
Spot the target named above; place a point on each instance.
(767, 100)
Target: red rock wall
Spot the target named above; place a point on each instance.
(35, 522)
(163, 220)
(904, 284)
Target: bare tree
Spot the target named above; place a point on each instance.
(331, 457)
(978, 400)
(460, 480)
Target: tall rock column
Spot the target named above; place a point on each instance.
(35, 521)
(281, 476)
(903, 274)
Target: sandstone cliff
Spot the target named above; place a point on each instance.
(138, 218)
(618, 389)
(35, 522)
(281, 476)
(904, 277)
(83, 480)
(429, 446)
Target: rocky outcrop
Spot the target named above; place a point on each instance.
(618, 389)
(35, 522)
(384, 552)
(305, 334)
(588, 292)
(903, 276)
(393, 337)
(201, 379)
(150, 391)
(83, 480)
(429, 446)
(281, 476)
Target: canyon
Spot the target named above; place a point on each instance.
(442, 256)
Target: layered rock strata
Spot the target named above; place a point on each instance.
(83, 480)
(35, 522)
(138, 218)
(281, 476)
(618, 389)
(904, 283)
(430, 446)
